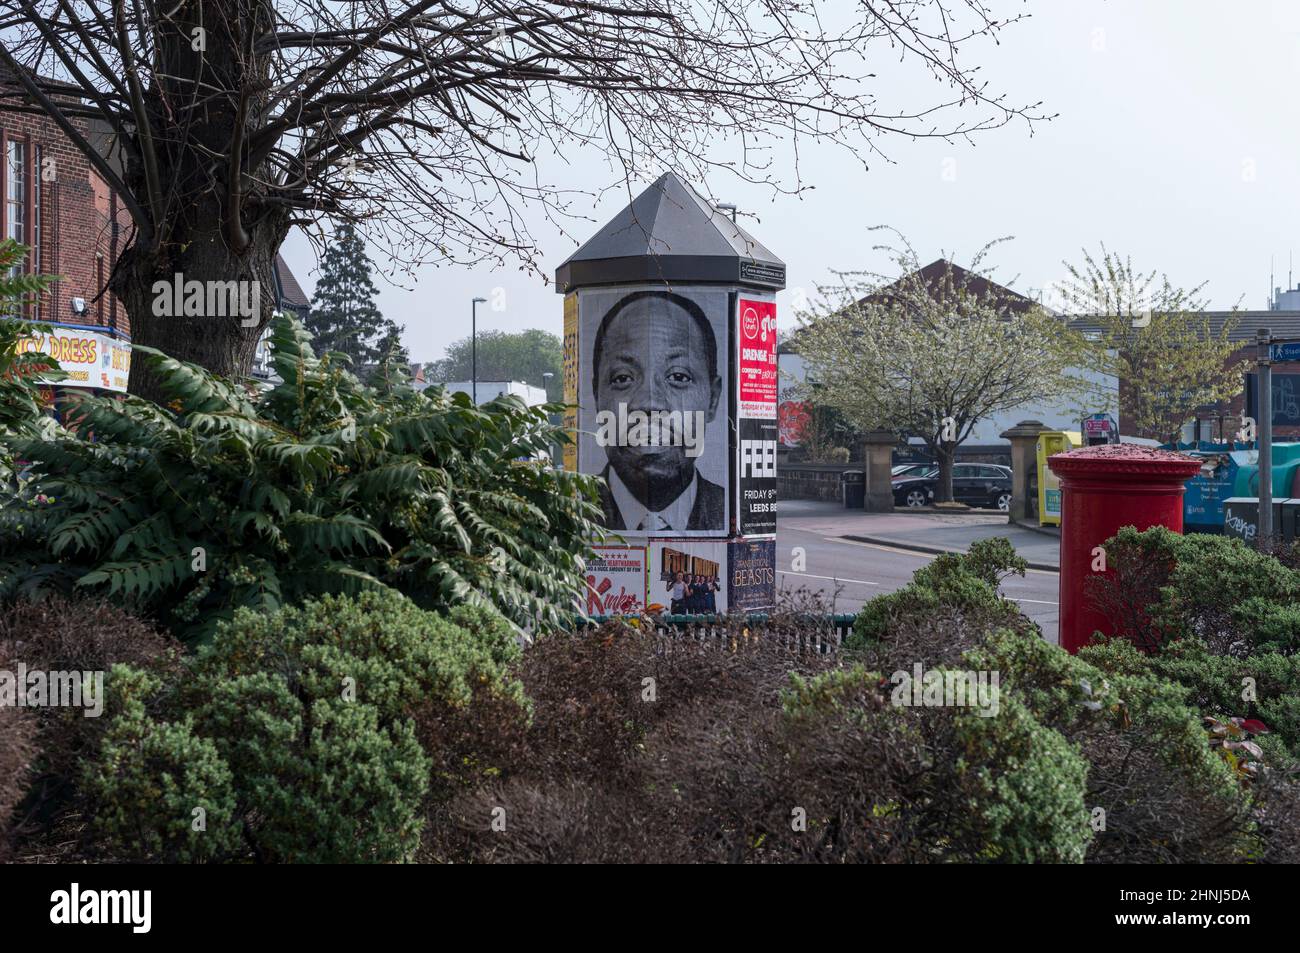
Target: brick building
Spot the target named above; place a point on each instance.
(1286, 377)
(59, 206)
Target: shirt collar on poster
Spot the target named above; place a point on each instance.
(676, 516)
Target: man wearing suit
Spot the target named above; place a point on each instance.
(655, 352)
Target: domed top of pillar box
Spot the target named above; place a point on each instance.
(670, 233)
(1124, 461)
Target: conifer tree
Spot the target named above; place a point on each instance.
(344, 316)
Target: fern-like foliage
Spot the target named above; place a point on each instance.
(20, 365)
(226, 497)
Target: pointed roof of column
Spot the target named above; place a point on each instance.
(671, 233)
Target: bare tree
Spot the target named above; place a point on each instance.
(238, 119)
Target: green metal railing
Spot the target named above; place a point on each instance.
(821, 634)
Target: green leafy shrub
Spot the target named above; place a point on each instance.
(1024, 785)
(20, 406)
(1007, 788)
(395, 654)
(315, 769)
(313, 715)
(968, 583)
(994, 559)
(223, 498)
(154, 782)
(1163, 586)
(1165, 796)
(874, 619)
(1264, 685)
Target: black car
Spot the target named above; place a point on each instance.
(976, 484)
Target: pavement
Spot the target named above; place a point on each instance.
(850, 556)
(925, 532)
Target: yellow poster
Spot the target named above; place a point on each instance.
(571, 380)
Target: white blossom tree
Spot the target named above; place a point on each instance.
(931, 352)
(1157, 338)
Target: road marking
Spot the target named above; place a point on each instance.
(1041, 602)
(887, 549)
(912, 552)
(860, 582)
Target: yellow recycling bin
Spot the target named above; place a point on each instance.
(1049, 485)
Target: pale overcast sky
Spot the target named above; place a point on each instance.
(1177, 142)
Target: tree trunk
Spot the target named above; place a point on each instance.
(222, 342)
(211, 223)
(944, 453)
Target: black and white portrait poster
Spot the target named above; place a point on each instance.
(654, 382)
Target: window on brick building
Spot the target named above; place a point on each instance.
(36, 261)
(16, 210)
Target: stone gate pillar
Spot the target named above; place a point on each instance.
(877, 464)
(1024, 460)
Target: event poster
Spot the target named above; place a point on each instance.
(757, 369)
(616, 581)
(794, 417)
(653, 403)
(751, 570)
(756, 476)
(688, 578)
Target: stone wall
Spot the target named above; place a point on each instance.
(812, 481)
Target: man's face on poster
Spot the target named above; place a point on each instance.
(654, 357)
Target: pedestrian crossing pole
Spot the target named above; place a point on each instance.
(1264, 408)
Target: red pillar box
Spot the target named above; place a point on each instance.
(1104, 488)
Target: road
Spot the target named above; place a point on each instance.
(849, 572)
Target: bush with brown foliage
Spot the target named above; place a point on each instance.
(17, 748)
(736, 759)
(85, 635)
(589, 727)
(733, 751)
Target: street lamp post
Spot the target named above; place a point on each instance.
(473, 348)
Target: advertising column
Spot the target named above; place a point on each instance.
(670, 360)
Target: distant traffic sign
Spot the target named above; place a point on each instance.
(1284, 351)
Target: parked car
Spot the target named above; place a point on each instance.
(976, 484)
(904, 470)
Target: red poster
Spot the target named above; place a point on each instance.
(757, 365)
(616, 581)
(793, 418)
